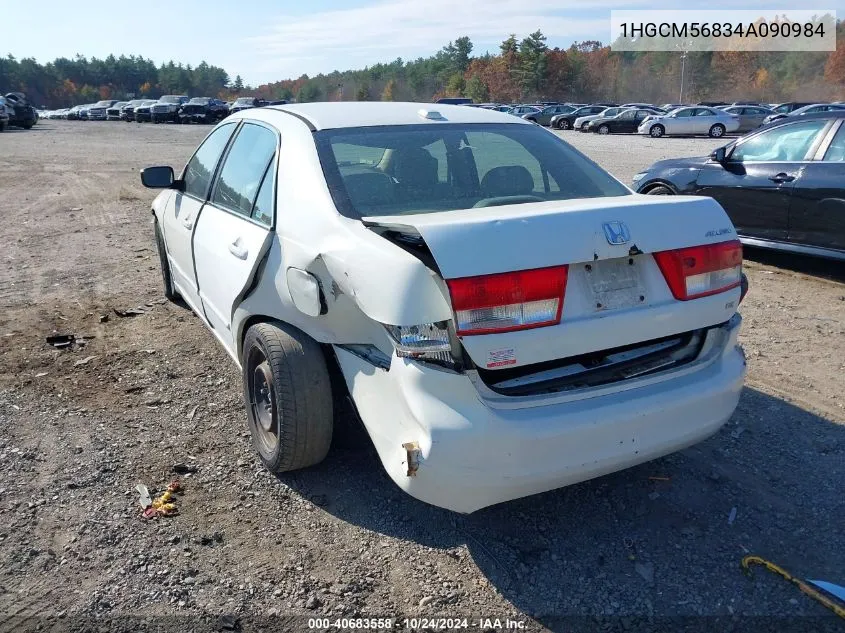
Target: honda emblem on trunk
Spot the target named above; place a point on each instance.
(616, 232)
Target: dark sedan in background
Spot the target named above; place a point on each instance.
(203, 110)
(625, 122)
(544, 116)
(783, 186)
(566, 121)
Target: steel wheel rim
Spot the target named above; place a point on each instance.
(717, 131)
(262, 401)
(604, 129)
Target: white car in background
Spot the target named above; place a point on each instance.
(506, 316)
(698, 120)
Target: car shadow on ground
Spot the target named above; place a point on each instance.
(808, 265)
(661, 539)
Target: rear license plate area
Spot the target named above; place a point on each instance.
(615, 283)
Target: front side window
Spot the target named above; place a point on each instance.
(244, 168)
(408, 169)
(786, 143)
(704, 112)
(200, 168)
(683, 113)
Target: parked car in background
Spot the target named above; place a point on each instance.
(789, 106)
(98, 111)
(203, 110)
(690, 121)
(245, 103)
(127, 112)
(21, 113)
(593, 346)
(166, 109)
(813, 108)
(750, 117)
(113, 113)
(668, 107)
(522, 110)
(4, 114)
(73, 113)
(625, 121)
(544, 116)
(143, 112)
(83, 111)
(567, 121)
(455, 100)
(783, 186)
(581, 122)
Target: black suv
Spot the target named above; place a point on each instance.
(20, 112)
(203, 110)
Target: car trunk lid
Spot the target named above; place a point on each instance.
(615, 292)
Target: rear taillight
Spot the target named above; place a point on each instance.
(699, 271)
(508, 301)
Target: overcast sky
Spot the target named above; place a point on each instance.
(267, 40)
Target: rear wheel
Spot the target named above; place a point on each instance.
(288, 394)
(660, 190)
(656, 131)
(717, 131)
(604, 129)
(563, 124)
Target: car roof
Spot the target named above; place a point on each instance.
(348, 114)
(830, 114)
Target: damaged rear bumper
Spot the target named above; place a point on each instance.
(447, 440)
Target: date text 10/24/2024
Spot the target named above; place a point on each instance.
(434, 624)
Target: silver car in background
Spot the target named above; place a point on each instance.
(691, 121)
(750, 117)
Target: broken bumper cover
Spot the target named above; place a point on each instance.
(471, 451)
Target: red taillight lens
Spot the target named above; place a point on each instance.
(508, 301)
(699, 271)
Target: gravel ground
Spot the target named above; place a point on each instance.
(655, 546)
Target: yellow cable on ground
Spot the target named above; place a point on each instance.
(810, 591)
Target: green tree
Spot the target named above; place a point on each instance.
(238, 84)
(477, 90)
(458, 53)
(363, 93)
(532, 62)
(456, 85)
(308, 93)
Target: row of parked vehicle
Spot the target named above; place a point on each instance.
(714, 119)
(16, 110)
(165, 109)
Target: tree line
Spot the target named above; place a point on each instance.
(521, 70)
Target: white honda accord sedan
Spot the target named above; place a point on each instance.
(506, 316)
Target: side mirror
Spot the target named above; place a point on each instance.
(719, 155)
(157, 177)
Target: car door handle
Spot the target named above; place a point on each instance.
(781, 177)
(237, 250)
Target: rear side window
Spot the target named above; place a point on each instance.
(244, 168)
(408, 169)
(200, 168)
(262, 211)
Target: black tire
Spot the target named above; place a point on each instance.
(166, 278)
(716, 131)
(563, 124)
(603, 129)
(288, 397)
(660, 190)
(656, 131)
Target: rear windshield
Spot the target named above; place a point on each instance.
(408, 169)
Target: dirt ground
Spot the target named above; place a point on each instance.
(655, 546)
